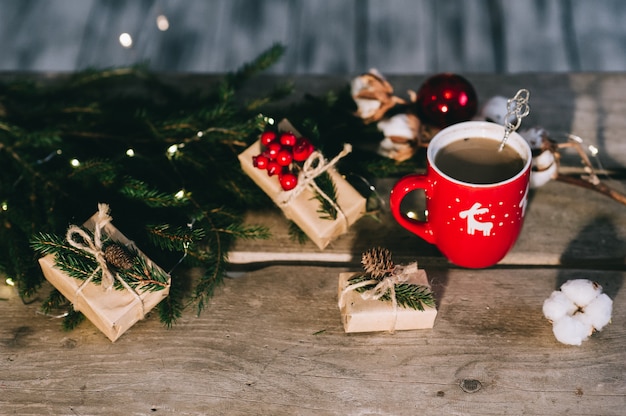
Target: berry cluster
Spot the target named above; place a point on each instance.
(281, 152)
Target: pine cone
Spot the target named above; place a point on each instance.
(118, 256)
(377, 262)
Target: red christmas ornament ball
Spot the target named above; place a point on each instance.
(288, 181)
(446, 99)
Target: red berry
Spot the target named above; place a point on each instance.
(260, 161)
(288, 181)
(273, 168)
(302, 150)
(284, 157)
(288, 139)
(273, 148)
(267, 137)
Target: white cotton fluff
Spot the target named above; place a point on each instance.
(576, 310)
(571, 331)
(495, 110)
(397, 126)
(598, 312)
(557, 306)
(581, 291)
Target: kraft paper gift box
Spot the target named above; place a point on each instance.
(303, 209)
(372, 315)
(111, 311)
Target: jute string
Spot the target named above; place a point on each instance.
(313, 167)
(94, 247)
(401, 274)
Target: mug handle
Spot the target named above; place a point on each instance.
(399, 191)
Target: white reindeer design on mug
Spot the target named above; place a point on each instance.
(472, 223)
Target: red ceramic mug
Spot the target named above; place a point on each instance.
(473, 221)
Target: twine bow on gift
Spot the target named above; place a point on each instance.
(94, 247)
(400, 275)
(313, 167)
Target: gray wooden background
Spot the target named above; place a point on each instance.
(322, 36)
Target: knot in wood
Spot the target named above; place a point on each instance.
(470, 385)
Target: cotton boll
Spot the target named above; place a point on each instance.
(399, 125)
(373, 95)
(535, 137)
(400, 142)
(598, 312)
(367, 108)
(557, 306)
(544, 160)
(540, 178)
(495, 110)
(571, 331)
(581, 291)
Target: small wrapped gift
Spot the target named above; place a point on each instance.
(118, 284)
(388, 298)
(296, 192)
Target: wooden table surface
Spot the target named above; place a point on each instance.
(271, 340)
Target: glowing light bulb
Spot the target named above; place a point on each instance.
(162, 23)
(4, 206)
(411, 215)
(200, 134)
(171, 151)
(180, 194)
(126, 40)
(9, 281)
(75, 163)
(130, 153)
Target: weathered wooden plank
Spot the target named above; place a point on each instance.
(271, 342)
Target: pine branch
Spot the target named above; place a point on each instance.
(326, 184)
(72, 320)
(172, 238)
(414, 296)
(262, 62)
(296, 234)
(92, 120)
(141, 191)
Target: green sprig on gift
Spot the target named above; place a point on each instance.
(378, 265)
(124, 261)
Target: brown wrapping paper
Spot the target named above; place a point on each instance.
(111, 311)
(371, 315)
(303, 209)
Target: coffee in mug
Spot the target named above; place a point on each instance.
(476, 195)
(479, 160)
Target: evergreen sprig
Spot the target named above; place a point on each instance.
(377, 265)
(156, 153)
(79, 264)
(326, 210)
